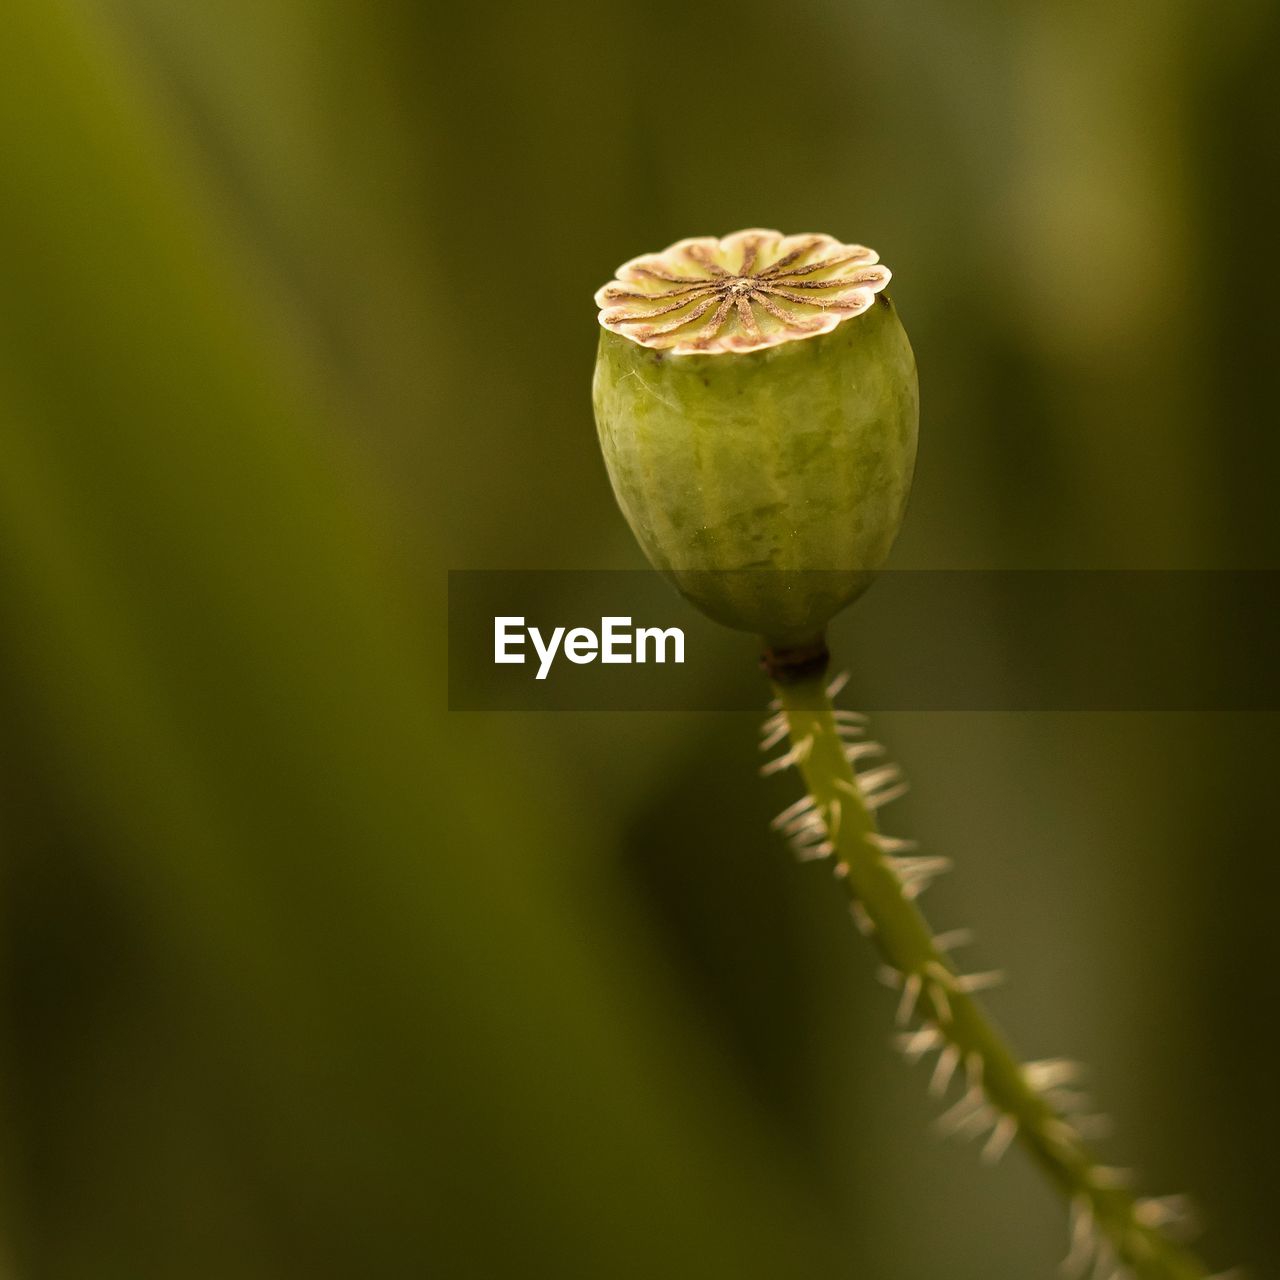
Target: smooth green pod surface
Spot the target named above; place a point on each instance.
(763, 462)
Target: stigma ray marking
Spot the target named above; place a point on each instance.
(870, 278)
(862, 751)
(750, 255)
(717, 322)
(855, 302)
(633, 317)
(857, 253)
(809, 245)
(657, 273)
(670, 326)
(613, 293)
(953, 939)
(701, 255)
(774, 736)
(783, 317)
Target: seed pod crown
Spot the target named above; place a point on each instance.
(750, 290)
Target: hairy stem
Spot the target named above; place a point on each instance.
(1114, 1234)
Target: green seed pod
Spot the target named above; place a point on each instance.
(757, 406)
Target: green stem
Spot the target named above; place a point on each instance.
(1113, 1232)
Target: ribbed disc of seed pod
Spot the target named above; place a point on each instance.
(757, 406)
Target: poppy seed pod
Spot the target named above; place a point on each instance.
(757, 407)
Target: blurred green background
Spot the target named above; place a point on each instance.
(304, 975)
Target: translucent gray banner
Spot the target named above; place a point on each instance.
(572, 640)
